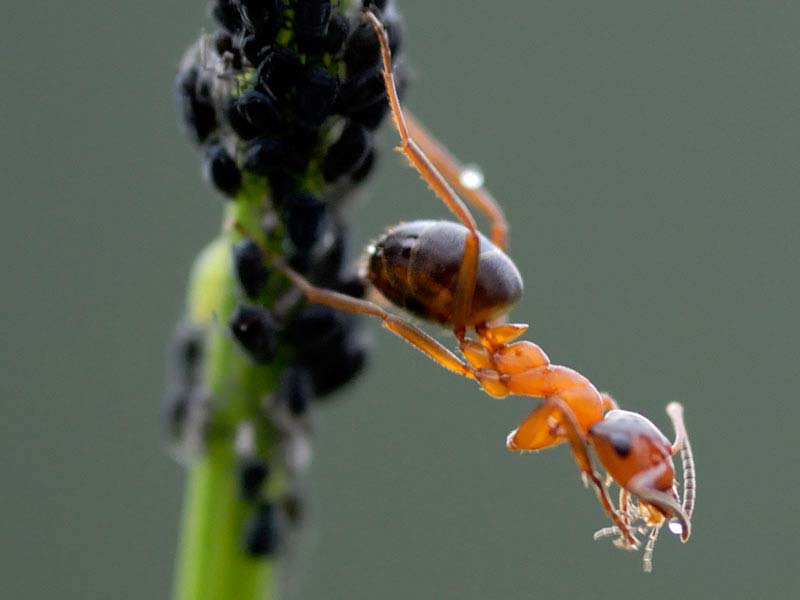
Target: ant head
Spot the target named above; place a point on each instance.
(628, 444)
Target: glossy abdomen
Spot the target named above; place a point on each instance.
(415, 266)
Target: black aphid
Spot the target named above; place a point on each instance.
(338, 30)
(305, 218)
(248, 262)
(297, 389)
(221, 171)
(256, 331)
(340, 364)
(347, 153)
(264, 17)
(311, 23)
(253, 473)
(264, 155)
(262, 531)
(261, 111)
(360, 91)
(316, 95)
(279, 71)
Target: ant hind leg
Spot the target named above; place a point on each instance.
(467, 274)
(411, 334)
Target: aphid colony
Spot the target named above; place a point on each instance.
(282, 99)
(272, 75)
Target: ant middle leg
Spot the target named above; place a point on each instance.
(467, 274)
(450, 168)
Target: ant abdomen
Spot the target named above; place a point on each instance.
(415, 266)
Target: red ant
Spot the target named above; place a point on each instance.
(450, 273)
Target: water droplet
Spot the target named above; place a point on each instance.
(471, 177)
(675, 527)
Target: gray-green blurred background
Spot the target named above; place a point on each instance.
(647, 156)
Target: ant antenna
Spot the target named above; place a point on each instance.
(647, 557)
(675, 412)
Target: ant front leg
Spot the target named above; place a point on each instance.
(467, 274)
(643, 486)
(580, 452)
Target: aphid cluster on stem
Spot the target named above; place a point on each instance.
(282, 99)
(278, 83)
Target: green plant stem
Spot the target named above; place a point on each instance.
(212, 563)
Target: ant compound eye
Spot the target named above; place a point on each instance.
(622, 444)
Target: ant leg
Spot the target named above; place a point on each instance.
(625, 505)
(643, 487)
(451, 170)
(647, 557)
(414, 336)
(675, 412)
(625, 508)
(580, 452)
(467, 273)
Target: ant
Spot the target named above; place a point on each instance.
(451, 274)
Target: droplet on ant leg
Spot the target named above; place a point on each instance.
(675, 527)
(471, 177)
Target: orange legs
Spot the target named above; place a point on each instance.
(467, 273)
(413, 335)
(451, 170)
(580, 452)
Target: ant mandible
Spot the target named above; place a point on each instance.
(451, 274)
